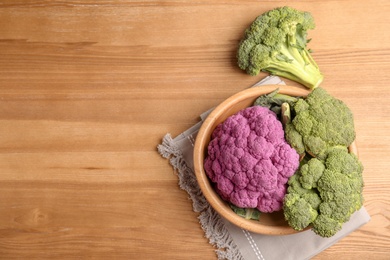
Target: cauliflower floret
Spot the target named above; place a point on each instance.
(249, 160)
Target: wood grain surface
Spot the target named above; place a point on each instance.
(89, 88)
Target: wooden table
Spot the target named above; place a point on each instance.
(89, 88)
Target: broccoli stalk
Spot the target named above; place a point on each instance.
(276, 43)
(300, 65)
(285, 114)
(275, 100)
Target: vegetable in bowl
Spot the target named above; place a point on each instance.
(274, 223)
(325, 193)
(321, 122)
(328, 186)
(319, 190)
(250, 161)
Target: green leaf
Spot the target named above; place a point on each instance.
(247, 213)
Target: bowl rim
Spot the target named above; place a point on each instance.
(205, 185)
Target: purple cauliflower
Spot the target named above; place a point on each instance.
(249, 160)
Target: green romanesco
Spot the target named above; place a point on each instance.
(321, 123)
(276, 42)
(338, 184)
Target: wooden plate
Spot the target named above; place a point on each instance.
(269, 223)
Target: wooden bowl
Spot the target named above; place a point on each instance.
(269, 223)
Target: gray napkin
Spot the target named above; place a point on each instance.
(232, 242)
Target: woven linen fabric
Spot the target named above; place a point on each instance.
(232, 242)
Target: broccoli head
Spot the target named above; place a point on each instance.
(276, 42)
(337, 183)
(309, 195)
(298, 211)
(341, 185)
(321, 122)
(300, 205)
(311, 173)
(325, 226)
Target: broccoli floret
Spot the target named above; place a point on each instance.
(333, 188)
(309, 195)
(294, 185)
(311, 173)
(312, 198)
(321, 123)
(294, 138)
(298, 212)
(325, 226)
(301, 105)
(276, 42)
(341, 161)
(341, 185)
